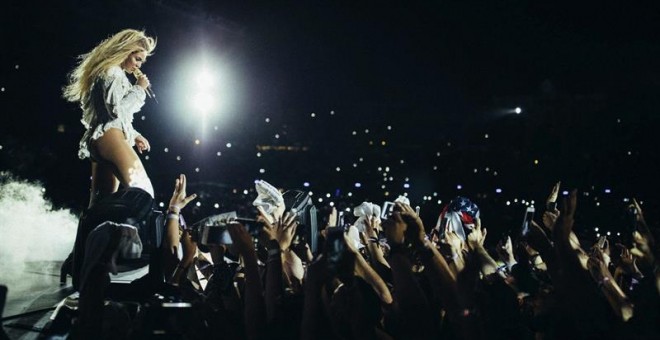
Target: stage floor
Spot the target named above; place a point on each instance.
(31, 300)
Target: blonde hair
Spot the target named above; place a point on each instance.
(108, 53)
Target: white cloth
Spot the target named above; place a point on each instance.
(111, 103)
(270, 200)
(354, 236)
(363, 211)
(402, 199)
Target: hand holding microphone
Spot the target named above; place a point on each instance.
(143, 81)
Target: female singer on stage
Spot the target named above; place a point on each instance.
(109, 101)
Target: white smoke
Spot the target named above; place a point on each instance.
(30, 230)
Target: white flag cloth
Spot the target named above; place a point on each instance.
(363, 211)
(270, 200)
(402, 199)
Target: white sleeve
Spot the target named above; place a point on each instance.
(132, 134)
(121, 98)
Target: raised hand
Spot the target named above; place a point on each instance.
(604, 244)
(179, 199)
(142, 144)
(453, 240)
(395, 228)
(642, 227)
(282, 230)
(505, 251)
(552, 198)
(596, 265)
(477, 237)
(568, 213)
(241, 239)
(628, 262)
(550, 218)
(370, 226)
(642, 248)
(415, 226)
(639, 217)
(332, 218)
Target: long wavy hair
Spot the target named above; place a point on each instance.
(108, 53)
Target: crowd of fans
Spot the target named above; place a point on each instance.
(378, 275)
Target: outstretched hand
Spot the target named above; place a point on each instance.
(639, 216)
(142, 144)
(568, 213)
(241, 239)
(282, 230)
(596, 265)
(550, 218)
(505, 250)
(395, 228)
(554, 193)
(179, 199)
(453, 240)
(415, 227)
(477, 237)
(628, 262)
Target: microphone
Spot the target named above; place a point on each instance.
(138, 73)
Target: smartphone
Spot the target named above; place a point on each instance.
(216, 234)
(552, 206)
(529, 216)
(340, 219)
(388, 208)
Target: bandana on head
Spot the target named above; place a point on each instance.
(461, 214)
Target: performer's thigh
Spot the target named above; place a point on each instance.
(113, 148)
(104, 181)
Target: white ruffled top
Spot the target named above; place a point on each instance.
(111, 103)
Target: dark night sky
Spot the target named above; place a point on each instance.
(435, 70)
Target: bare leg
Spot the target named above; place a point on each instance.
(126, 166)
(104, 181)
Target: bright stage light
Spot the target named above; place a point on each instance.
(204, 102)
(208, 87)
(518, 110)
(205, 79)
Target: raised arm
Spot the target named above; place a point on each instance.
(280, 234)
(254, 302)
(173, 229)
